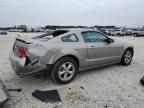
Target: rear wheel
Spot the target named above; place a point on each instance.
(127, 57)
(65, 70)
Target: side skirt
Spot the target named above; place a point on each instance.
(93, 67)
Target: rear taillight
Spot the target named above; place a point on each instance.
(22, 52)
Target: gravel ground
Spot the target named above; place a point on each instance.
(113, 86)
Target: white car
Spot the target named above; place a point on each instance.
(117, 32)
(138, 33)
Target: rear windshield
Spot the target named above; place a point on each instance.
(48, 36)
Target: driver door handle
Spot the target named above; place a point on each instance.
(92, 47)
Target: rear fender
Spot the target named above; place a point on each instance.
(66, 52)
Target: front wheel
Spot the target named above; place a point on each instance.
(127, 57)
(64, 71)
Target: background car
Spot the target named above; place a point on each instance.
(3, 33)
(138, 33)
(129, 32)
(65, 52)
(103, 31)
(117, 32)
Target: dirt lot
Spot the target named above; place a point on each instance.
(114, 86)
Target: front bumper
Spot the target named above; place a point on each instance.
(18, 65)
(4, 95)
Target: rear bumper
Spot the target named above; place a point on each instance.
(18, 65)
(4, 95)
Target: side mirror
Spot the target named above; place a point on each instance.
(109, 40)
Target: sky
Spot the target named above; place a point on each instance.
(128, 13)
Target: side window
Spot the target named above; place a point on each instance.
(91, 37)
(70, 38)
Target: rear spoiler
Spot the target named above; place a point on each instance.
(21, 40)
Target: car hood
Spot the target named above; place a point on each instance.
(123, 43)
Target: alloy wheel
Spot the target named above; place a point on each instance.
(127, 57)
(66, 71)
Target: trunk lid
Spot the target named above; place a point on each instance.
(24, 43)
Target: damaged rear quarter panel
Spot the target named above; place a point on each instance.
(50, 54)
(44, 52)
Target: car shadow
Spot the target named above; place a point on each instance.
(43, 80)
(99, 69)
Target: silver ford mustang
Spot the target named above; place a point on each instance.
(65, 52)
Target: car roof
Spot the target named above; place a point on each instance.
(56, 33)
(77, 30)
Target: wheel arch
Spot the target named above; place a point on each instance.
(70, 56)
(66, 53)
(131, 48)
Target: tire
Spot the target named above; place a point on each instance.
(135, 35)
(142, 80)
(118, 34)
(127, 57)
(60, 70)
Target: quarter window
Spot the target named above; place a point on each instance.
(70, 38)
(91, 37)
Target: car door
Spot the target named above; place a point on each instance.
(99, 50)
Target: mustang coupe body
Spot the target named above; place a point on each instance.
(65, 52)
